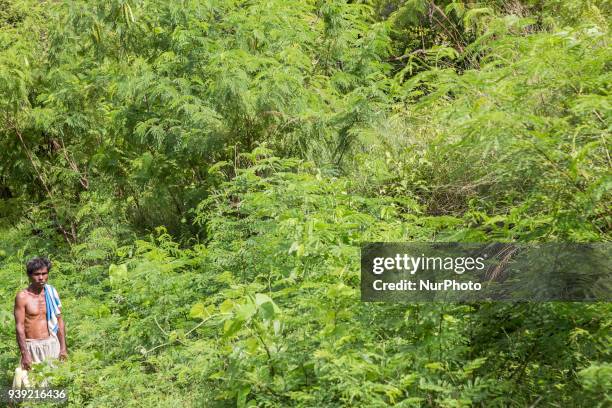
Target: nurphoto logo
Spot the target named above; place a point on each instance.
(458, 272)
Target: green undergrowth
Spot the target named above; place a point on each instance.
(203, 173)
(268, 312)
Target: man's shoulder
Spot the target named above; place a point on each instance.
(21, 296)
(22, 293)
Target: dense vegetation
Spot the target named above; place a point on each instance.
(202, 173)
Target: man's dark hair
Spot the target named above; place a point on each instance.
(37, 263)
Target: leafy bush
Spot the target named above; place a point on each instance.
(202, 175)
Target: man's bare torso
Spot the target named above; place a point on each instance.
(35, 315)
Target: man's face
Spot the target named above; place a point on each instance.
(39, 278)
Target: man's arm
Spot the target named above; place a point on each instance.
(61, 335)
(19, 312)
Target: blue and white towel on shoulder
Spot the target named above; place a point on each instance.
(53, 309)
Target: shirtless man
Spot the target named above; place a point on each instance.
(39, 339)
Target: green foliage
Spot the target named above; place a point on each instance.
(202, 175)
(524, 137)
(136, 98)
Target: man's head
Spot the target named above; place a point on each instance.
(38, 271)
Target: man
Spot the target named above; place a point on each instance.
(41, 335)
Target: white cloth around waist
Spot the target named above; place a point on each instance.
(43, 349)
